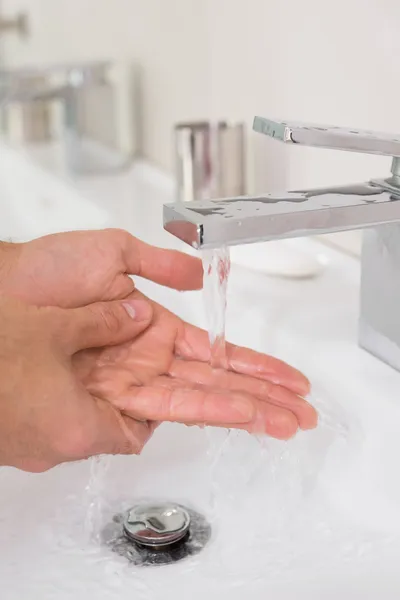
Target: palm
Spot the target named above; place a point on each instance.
(164, 375)
(81, 267)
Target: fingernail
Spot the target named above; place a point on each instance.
(139, 310)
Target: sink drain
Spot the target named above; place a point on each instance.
(157, 526)
(157, 533)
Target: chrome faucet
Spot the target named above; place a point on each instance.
(374, 206)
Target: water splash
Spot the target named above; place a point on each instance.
(99, 467)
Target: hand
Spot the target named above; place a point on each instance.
(81, 267)
(46, 415)
(164, 375)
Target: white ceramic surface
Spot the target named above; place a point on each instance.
(317, 517)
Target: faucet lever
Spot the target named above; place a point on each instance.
(328, 136)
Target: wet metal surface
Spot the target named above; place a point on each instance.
(359, 192)
(330, 136)
(227, 222)
(156, 525)
(193, 543)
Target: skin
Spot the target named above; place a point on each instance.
(47, 415)
(80, 267)
(164, 375)
(162, 372)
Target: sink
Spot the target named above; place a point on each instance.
(315, 517)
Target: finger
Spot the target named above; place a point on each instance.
(190, 405)
(167, 267)
(107, 323)
(192, 343)
(271, 420)
(202, 374)
(185, 405)
(267, 418)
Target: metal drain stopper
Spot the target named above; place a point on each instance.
(156, 525)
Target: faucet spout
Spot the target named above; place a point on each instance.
(214, 223)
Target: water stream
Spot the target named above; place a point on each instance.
(216, 266)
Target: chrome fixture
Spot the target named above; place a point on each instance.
(155, 533)
(157, 525)
(210, 160)
(376, 205)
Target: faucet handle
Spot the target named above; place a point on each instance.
(328, 136)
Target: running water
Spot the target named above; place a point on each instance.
(216, 265)
(99, 466)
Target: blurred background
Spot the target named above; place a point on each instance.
(177, 60)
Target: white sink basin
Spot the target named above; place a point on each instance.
(316, 517)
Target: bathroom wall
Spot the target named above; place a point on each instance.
(330, 62)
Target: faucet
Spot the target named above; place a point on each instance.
(373, 206)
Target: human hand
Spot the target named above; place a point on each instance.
(46, 415)
(60, 269)
(81, 267)
(164, 375)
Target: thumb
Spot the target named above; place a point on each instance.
(108, 323)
